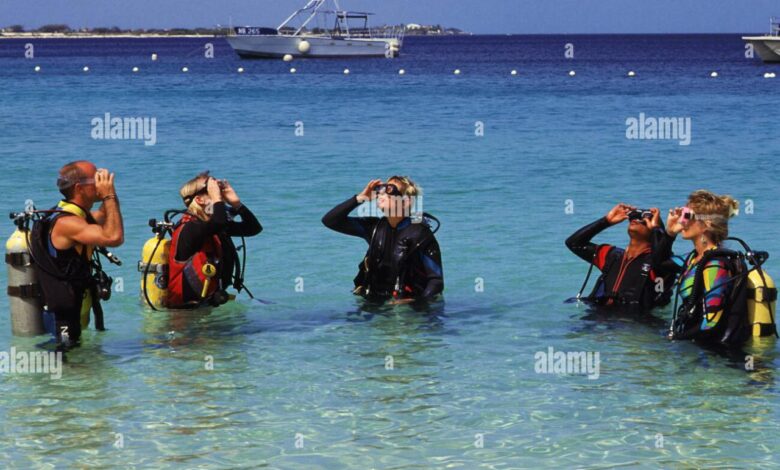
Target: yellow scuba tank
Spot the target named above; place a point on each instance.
(762, 299)
(154, 262)
(23, 290)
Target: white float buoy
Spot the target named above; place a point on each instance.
(346, 71)
(86, 69)
(37, 68)
(135, 69)
(401, 72)
(241, 70)
(513, 72)
(456, 72)
(714, 74)
(185, 69)
(769, 75)
(287, 58)
(572, 73)
(304, 46)
(292, 70)
(631, 73)
(154, 56)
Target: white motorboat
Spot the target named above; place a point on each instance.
(767, 47)
(313, 38)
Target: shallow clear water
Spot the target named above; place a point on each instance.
(311, 369)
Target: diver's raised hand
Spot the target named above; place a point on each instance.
(673, 225)
(655, 221)
(230, 194)
(368, 192)
(104, 183)
(619, 213)
(212, 186)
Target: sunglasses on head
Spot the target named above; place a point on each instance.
(389, 189)
(639, 214)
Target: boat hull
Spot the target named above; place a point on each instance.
(274, 46)
(767, 47)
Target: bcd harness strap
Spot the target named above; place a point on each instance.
(762, 294)
(26, 291)
(152, 267)
(71, 208)
(18, 259)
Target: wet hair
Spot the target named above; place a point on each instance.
(716, 209)
(69, 176)
(410, 191)
(410, 187)
(192, 188)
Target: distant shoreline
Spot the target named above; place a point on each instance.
(101, 36)
(63, 31)
(31, 35)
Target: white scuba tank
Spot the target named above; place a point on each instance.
(23, 291)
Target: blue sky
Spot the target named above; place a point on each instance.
(480, 16)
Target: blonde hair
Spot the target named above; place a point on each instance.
(189, 190)
(716, 211)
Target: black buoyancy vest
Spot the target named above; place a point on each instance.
(732, 328)
(388, 264)
(63, 275)
(637, 289)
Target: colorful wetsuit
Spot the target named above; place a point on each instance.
(715, 276)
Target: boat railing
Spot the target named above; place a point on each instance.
(394, 32)
(390, 32)
(353, 33)
(774, 26)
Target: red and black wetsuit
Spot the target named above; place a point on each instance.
(196, 242)
(627, 282)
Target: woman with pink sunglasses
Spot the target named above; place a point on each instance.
(707, 276)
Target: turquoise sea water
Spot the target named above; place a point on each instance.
(303, 383)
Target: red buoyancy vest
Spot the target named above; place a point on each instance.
(186, 278)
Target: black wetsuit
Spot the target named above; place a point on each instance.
(625, 282)
(404, 260)
(196, 232)
(64, 276)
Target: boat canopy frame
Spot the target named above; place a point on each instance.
(315, 7)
